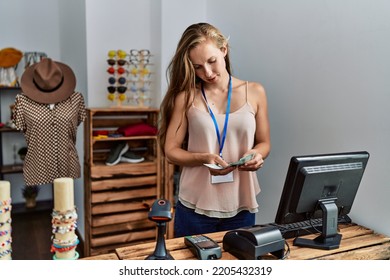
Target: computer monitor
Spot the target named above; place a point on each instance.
(321, 186)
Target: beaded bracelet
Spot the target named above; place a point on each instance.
(65, 229)
(7, 242)
(6, 209)
(65, 243)
(5, 252)
(6, 202)
(60, 222)
(6, 222)
(63, 216)
(5, 232)
(61, 250)
(74, 244)
(75, 257)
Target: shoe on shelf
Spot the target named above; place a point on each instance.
(116, 152)
(131, 157)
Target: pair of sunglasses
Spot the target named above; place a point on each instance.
(120, 89)
(119, 70)
(143, 89)
(142, 71)
(120, 80)
(113, 62)
(119, 53)
(121, 97)
(144, 52)
(136, 61)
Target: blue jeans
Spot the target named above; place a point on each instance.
(187, 222)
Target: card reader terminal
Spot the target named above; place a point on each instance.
(203, 247)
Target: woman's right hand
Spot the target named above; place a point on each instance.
(216, 159)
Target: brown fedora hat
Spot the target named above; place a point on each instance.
(48, 81)
(10, 57)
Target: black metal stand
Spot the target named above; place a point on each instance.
(329, 238)
(160, 252)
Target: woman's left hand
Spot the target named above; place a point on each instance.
(254, 164)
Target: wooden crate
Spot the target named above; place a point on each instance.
(118, 198)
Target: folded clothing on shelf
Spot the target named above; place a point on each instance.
(99, 132)
(138, 129)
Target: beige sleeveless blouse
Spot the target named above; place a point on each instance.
(196, 191)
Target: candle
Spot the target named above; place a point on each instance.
(5, 190)
(63, 194)
(5, 200)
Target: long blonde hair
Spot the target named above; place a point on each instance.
(181, 73)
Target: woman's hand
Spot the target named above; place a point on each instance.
(254, 164)
(216, 159)
(221, 172)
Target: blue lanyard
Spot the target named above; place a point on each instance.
(221, 142)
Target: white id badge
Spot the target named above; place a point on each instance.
(222, 179)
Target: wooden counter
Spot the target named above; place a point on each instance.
(110, 256)
(357, 243)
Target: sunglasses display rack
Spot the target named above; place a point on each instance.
(129, 80)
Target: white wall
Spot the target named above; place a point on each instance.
(325, 66)
(114, 25)
(73, 50)
(176, 16)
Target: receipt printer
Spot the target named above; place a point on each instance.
(251, 243)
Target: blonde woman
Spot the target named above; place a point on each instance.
(210, 117)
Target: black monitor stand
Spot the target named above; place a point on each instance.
(329, 238)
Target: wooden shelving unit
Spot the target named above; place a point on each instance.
(12, 168)
(118, 198)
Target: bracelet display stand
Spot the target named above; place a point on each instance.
(64, 221)
(5, 221)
